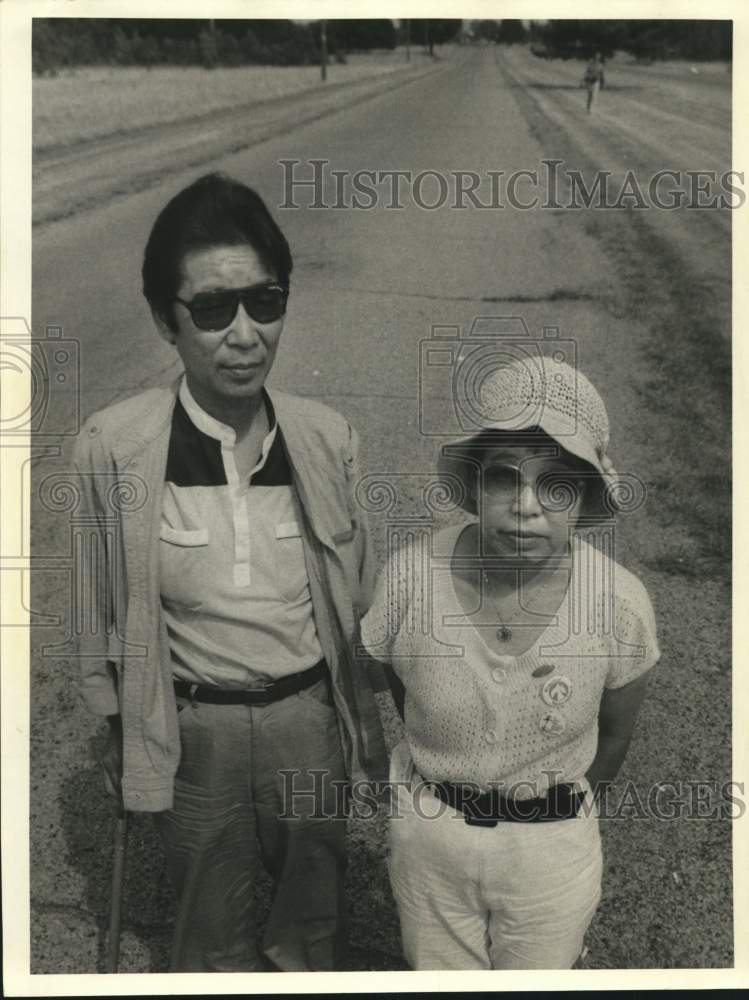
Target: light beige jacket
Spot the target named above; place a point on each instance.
(120, 459)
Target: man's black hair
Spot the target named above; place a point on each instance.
(215, 210)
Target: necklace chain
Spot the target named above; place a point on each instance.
(504, 632)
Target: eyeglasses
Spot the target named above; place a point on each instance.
(212, 311)
(556, 489)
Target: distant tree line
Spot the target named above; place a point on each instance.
(430, 31)
(646, 40)
(358, 35)
(508, 31)
(61, 42)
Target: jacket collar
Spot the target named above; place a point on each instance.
(150, 421)
(317, 473)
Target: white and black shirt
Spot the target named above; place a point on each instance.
(234, 584)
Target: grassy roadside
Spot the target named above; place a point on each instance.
(685, 389)
(687, 396)
(668, 344)
(94, 102)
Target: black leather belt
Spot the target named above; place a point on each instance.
(490, 808)
(272, 691)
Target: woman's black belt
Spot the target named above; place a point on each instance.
(264, 695)
(489, 808)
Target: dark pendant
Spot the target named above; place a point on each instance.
(503, 633)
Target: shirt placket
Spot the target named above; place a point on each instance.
(240, 517)
(240, 497)
(238, 491)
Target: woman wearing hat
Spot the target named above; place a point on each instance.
(519, 652)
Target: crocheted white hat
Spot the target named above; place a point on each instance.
(538, 393)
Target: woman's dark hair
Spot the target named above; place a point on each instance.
(215, 210)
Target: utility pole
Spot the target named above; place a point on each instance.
(408, 39)
(213, 48)
(324, 50)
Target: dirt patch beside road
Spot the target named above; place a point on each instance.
(70, 178)
(92, 102)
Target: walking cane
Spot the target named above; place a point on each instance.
(118, 872)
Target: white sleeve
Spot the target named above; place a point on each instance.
(392, 603)
(635, 631)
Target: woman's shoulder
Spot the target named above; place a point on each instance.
(412, 579)
(424, 550)
(614, 582)
(624, 612)
(414, 565)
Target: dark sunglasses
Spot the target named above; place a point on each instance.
(556, 489)
(216, 310)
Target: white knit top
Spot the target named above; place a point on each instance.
(472, 715)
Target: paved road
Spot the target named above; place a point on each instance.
(645, 297)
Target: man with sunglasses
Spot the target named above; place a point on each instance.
(236, 586)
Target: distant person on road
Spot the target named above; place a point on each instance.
(242, 578)
(594, 79)
(520, 699)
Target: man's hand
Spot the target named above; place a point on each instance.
(111, 758)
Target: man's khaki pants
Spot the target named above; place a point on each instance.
(258, 784)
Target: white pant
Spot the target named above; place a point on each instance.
(513, 896)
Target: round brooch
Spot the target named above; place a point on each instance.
(552, 723)
(557, 690)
